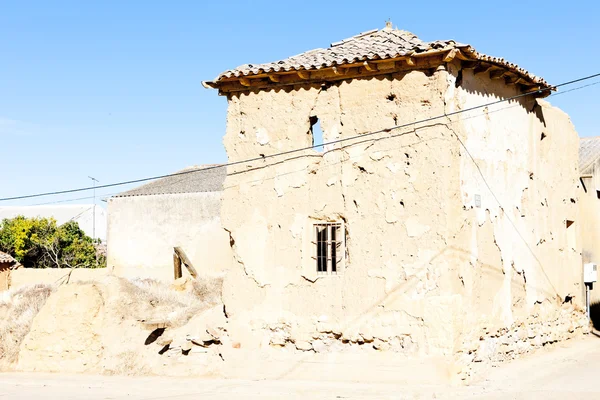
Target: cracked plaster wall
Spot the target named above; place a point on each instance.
(424, 265)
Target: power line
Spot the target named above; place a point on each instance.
(445, 115)
(169, 184)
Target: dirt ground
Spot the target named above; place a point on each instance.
(568, 370)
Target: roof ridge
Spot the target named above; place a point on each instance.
(362, 34)
(375, 44)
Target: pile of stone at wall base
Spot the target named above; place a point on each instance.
(331, 338)
(487, 346)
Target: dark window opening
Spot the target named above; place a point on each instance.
(321, 249)
(316, 133)
(569, 223)
(598, 194)
(543, 136)
(459, 79)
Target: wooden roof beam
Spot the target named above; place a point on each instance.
(303, 74)
(497, 73)
(339, 71)
(370, 66)
(482, 68)
(470, 64)
(512, 79)
(451, 55)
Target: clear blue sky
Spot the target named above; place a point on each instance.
(112, 89)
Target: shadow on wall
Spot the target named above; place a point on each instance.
(595, 315)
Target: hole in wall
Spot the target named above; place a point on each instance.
(543, 136)
(598, 194)
(391, 97)
(459, 79)
(316, 133)
(568, 223)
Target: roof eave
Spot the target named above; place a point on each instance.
(210, 84)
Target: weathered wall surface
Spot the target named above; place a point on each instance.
(142, 231)
(518, 243)
(30, 276)
(590, 224)
(425, 264)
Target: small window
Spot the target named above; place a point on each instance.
(317, 134)
(329, 248)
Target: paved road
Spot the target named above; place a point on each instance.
(567, 371)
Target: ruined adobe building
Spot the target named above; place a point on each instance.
(457, 234)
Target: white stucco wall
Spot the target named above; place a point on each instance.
(142, 231)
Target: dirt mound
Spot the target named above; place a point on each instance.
(116, 326)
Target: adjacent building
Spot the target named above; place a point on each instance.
(418, 227)
(589, 200)
(146, 223)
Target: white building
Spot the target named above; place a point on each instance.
(182, 210)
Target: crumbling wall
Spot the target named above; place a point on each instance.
(116, 326)
(426, 266)
(522, 162)
(394, 194)
(519, 233)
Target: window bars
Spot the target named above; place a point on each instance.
(329, 244)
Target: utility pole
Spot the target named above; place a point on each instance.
(94, 180)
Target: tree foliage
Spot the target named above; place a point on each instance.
(41, 243)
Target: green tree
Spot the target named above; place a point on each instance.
(40, 243)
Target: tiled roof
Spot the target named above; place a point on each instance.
(189, 180)
(589, 152)
(376, 44)
(7, 258)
